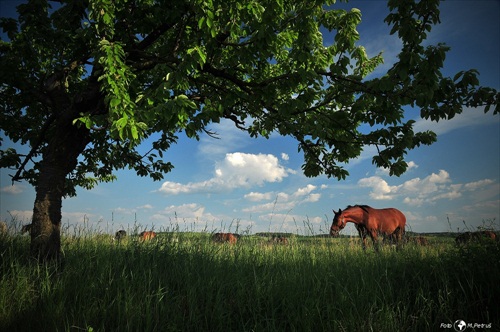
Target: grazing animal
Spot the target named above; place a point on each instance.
(3, 227)
(278, 239)
(474, 236)
(147, 236)
(225, 237)
(489, 234)
(120, 235)
(463, 238)
(26, 229)
(418, 240)
(371, 222)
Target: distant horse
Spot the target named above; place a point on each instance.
(476, 236)
(369, 221)
(225, 237)
(418, 240)
(464, 238)
(278, 239)
(489, 235)
(147, 236)
(120, 235)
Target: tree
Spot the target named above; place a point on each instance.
(85, 82)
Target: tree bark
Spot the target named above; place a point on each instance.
(66, 142)
(59, 160)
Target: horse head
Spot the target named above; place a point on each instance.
(338, 223)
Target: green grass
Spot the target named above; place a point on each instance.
(312, 284)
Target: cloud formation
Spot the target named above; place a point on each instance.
(470, 117)
(12, 190)
(235, 171)
(417, 191)
(282, 201)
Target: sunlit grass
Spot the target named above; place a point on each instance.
(185, 282)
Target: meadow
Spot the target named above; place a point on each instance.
(182, 281)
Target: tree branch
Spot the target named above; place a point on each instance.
(34, 148)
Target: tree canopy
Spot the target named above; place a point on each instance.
(83, 83)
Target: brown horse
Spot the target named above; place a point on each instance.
(369, 221)
(147, 236)
(418, 240)
(474, 236)
(489, 235)
(225, 237)
(278, 239)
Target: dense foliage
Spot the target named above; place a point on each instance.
(85, 82)
(161, 68)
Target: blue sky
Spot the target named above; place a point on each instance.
(258, 185)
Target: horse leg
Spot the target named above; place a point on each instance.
(399, 238)
(362, 234)
(363, 241)
(374, 236)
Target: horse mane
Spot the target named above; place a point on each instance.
(362, 207)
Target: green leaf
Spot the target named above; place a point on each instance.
(114, 102)
(134, 133)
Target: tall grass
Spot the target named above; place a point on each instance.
(184, 282)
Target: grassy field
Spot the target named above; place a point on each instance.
(185, 282)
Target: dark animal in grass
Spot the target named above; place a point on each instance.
(120, 235)
(224, 237)
(144, 236)
(371, 222)
(474, 236)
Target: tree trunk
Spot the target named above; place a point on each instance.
(59, 160)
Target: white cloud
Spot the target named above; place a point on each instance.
(442, 177)
(470, 117)
(191, 210)
(285, 156)
(131, 210)
(195, 217)
(312, 198)
(305, 191)
(282, 201)
(417, 191)
(472, 186)
(411, 165)
(385, 171)
(255, 197)
(75, 217)
(120, 210)
(381, 190)
(236, 170)
(271, 206)
(12, 190)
